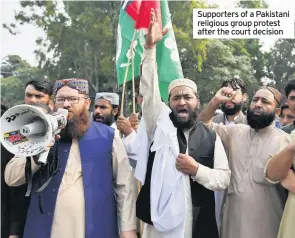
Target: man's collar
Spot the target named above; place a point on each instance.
(114, 125)
(238, 119)
(265, 129)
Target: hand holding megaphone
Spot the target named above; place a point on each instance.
(27, 130)
(58, 121)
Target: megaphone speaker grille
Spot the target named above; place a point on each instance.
(25, 130)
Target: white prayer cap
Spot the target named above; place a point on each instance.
(182, 82)
(113, 98)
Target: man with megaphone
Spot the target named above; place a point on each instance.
(35, 91)
(79, 201)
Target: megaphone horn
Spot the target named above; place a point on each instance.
(27, 131)
(36, 127)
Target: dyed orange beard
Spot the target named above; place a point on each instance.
(77, 126)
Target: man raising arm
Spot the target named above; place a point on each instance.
(194, 164)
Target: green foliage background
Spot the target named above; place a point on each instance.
(81, 42)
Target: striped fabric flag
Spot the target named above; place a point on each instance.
(135, 15)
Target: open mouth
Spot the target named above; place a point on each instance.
(229, 105)
(182, 112)
(98, 119)
(257, 112)
(70, 114)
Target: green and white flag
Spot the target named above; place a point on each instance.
(135, 15)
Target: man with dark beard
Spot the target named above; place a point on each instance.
(253, 204)
(106, 108)
(86, 167)
(232, 110)
(232, 114)
(106, 111)
(180, 162)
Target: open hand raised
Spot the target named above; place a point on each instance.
(155, 34)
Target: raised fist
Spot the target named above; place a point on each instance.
(223, 95)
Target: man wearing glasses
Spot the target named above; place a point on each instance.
(286, 116)
(79, 200)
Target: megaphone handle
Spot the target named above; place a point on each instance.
(43, 157)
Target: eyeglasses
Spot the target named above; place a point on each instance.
(71, 100)
(290, 117)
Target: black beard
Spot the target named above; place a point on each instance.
(259, 121)
(109, 120)
(181, 123)
(76, 127)
(231, 111)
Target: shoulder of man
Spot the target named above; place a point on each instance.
(218, 118)
(118, 134)
(242, 119)
(206, 128)
(100, 127)
(284, 135)
(288, 129)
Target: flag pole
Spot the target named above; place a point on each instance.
(133, 83)
(126, 73)
(134, 111)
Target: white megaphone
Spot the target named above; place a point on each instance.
(27, 131)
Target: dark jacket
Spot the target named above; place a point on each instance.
(288, 129)
(14, 204)
(5, 195)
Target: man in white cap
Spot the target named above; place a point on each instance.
(106, 111)
(181, 160)
(106, 108)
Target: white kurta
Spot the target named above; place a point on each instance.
(214, 179)
(129, 144)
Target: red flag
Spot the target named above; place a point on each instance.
(132, 9)
(143, 19)
(137, 13)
